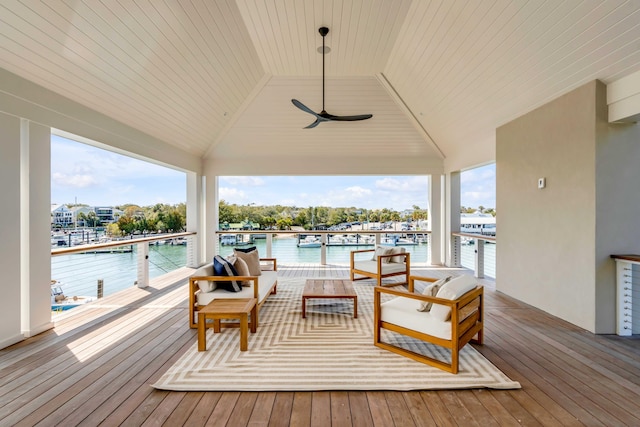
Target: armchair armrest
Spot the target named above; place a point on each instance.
(412, 279)
(362, 250)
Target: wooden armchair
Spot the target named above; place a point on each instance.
(395, 263)
(464, 300)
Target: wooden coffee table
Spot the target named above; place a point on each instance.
(228, 308)
(328, 288)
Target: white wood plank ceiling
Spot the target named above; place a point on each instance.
(215, 77)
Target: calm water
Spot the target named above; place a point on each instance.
(79, 273)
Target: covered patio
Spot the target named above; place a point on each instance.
(96, 366)
(545, 90)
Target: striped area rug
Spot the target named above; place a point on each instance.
(329, 350)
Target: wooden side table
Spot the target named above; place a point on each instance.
(228, 308)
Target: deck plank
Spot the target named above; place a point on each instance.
(301, 410)
(281, 414)
(321, 409)
(203, 409)
(96, 367)
(419, 412)
(360, 411)
(340, 410)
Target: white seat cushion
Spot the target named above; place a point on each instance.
(404, 312)
(265, 281)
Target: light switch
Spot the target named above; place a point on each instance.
(542, 182)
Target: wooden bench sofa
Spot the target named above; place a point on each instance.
(260, 287)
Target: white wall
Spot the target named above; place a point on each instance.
(546, 238)
(554, 244)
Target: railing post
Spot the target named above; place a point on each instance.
(323, 249)
(269, 241)
(479, 250)
(143, 264)
(455, 251)
(192, 260)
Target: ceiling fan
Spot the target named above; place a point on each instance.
(323, 116)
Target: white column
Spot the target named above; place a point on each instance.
(35, 226)
(195, 203)
(211, 217)
(10, 327)
(436, 225)
(452, 217)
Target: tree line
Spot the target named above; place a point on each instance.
(159, 218)
(166, 218)
(284, 217)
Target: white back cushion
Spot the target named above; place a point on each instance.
(396, 250)
(452, 290)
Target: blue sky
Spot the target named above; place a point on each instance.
(97, 177)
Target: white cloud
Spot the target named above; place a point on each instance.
(388, 184)
(232, 195)
(75, 181)
(357, 192)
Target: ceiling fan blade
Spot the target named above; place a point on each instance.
(351, 118)
(328, 116)
(303, 107)
(314, 124)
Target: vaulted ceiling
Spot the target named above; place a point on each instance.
(216, 78)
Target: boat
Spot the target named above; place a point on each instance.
(478, 223)
(235, 240)
(397, 241)
(61, 302)
(310, 242)
(227, 239)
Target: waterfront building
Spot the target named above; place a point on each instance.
(107, 214)
(61, 216)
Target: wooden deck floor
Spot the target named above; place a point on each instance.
(95, 367)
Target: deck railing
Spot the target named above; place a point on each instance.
(323, 246)
(118, 264)
(477, 252)
(100, 269)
